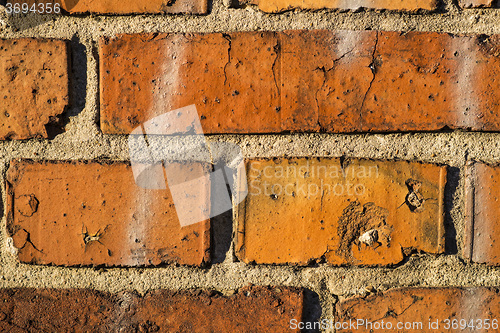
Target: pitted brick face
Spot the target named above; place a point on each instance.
(358, 212)
(72, 214)
(231, 78)
(34, 86)
(250, 309)
(303, 81)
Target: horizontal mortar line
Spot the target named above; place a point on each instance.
(356, 21)
(205, 275)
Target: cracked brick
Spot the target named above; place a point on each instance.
(408, 82)
(303, 81)
(229, 77)
(342, 211)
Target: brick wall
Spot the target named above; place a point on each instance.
(361, 146)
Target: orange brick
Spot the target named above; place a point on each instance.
(276, 6)
(33, 86)
(388, 81)
(89, 213)
(359, 212)
(422, 310)
(116, 7)
(482, 229)
(229, 77)
(251, 309)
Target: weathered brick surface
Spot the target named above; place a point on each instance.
(275, 6)
(230, 78)
(33, 86)
(359, 212)
(120, 7)
(482, 229)
(252, 309)
(418, 308)
(77, 213)
(387, 81)
(478, 3)
(53, 310)
(337, 82)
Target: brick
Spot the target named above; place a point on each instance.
(55, 310)
(411, 306)
(34, 86)
(478, 3)
(482, 194)
(230, 78)
(359, 212)
(387, 81)
(251, 309)
(277, 6)
(93, 213)
(314, 81)
(120, 7)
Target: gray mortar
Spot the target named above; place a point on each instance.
(83, 140)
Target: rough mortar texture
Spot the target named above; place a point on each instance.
(326, 284)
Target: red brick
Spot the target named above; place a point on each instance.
(53, 310)
(335, 82)
(276, 6)
(324, 85)
(252, 309)
(387, 81)
(482, 244)
(359, 212)
(120, 7)
(90, 213)
(230, 78)
(33, 86)
(421, 306)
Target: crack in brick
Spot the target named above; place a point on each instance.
(27, 205)
(228, 38)
(325, 72)
(28, 241)
(277, 49)
(394, 314)
(373, 70)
